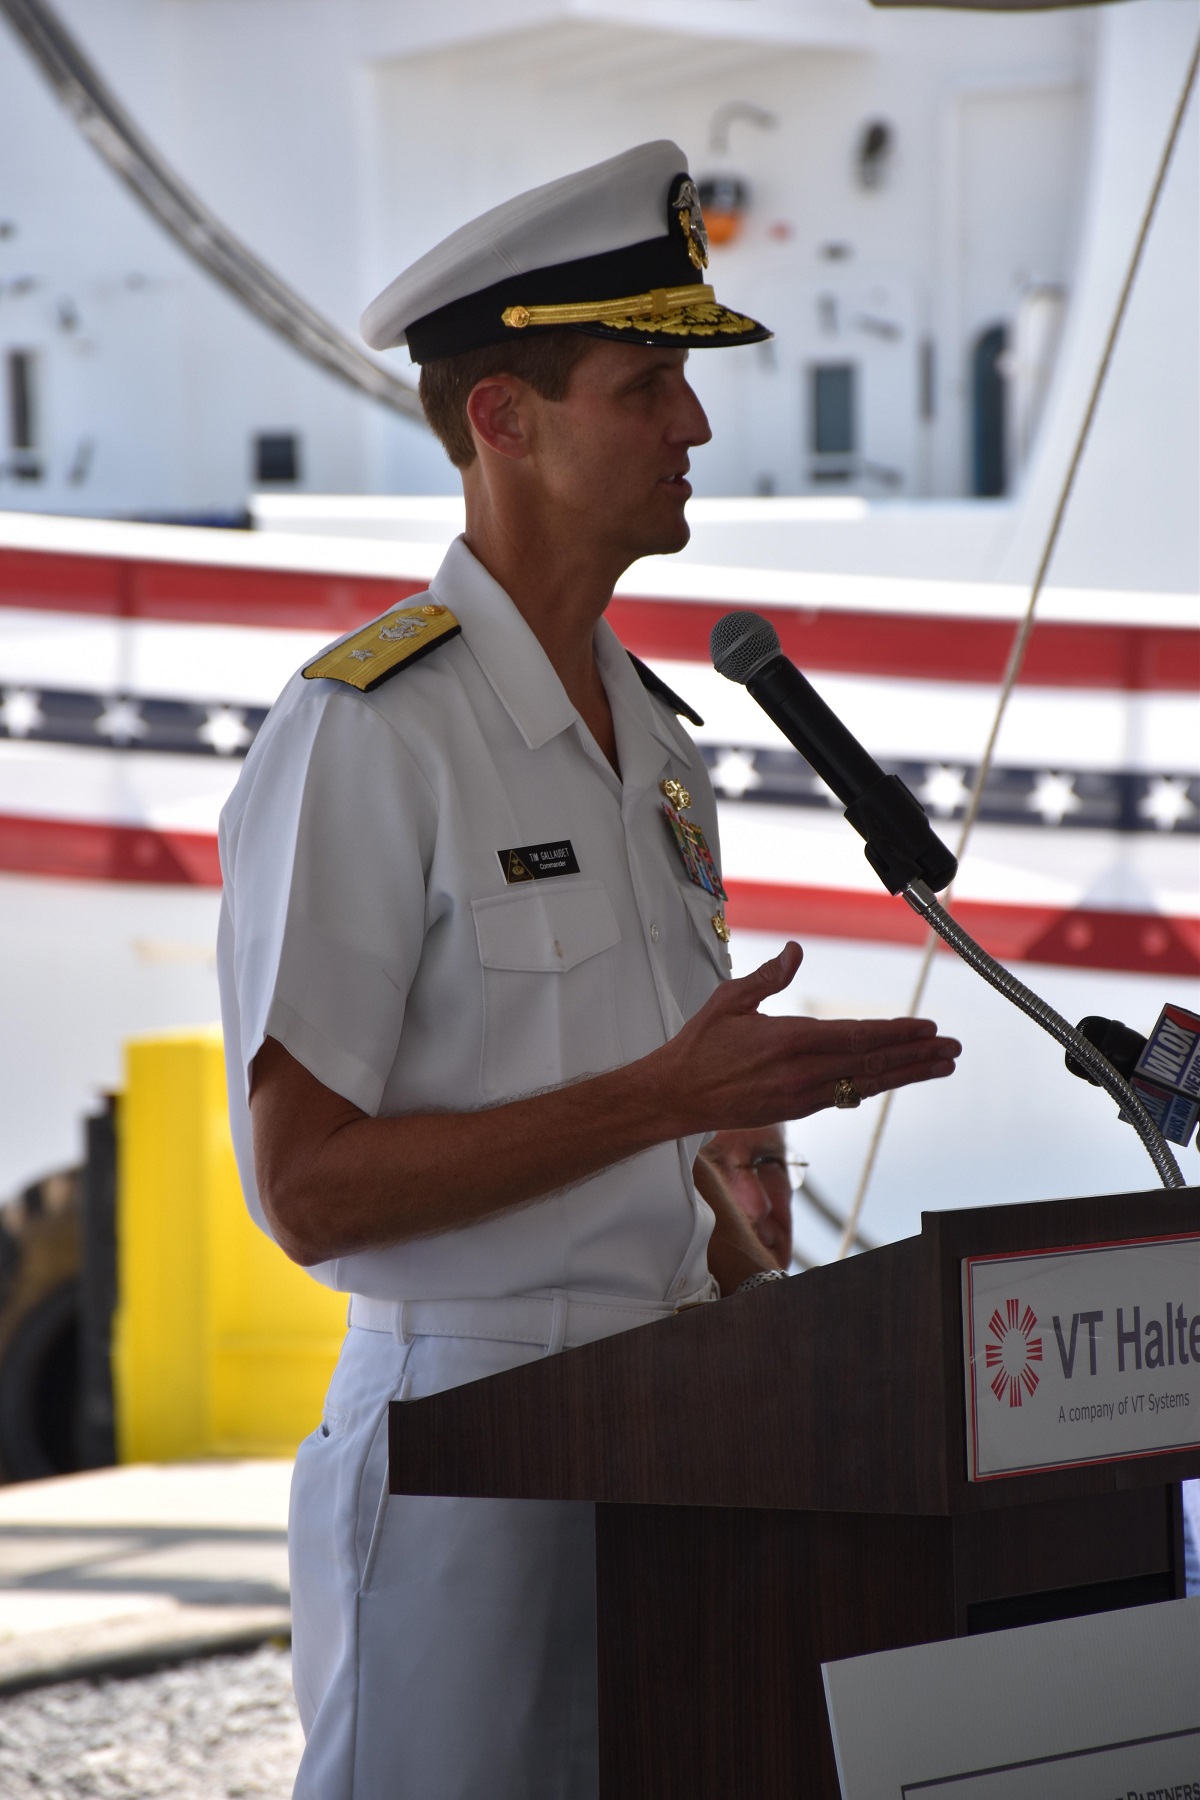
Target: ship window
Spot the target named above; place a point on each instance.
(24, 463)
(928, 383)
(832, 408)
(988, 402)
(20, 399)
(276, 456)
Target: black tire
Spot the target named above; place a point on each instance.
(39, 1389)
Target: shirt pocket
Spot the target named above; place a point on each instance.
(709, 962)
(548, 955)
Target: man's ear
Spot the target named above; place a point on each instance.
(498, 408)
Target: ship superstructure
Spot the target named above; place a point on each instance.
(916, 201)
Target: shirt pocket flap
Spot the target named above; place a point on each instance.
(702, 909)
(545, 927)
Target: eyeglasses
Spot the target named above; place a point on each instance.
(771, 1168)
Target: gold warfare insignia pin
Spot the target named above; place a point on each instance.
(720, 927)
(676, 793)
(385, 646)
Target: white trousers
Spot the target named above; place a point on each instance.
(442, 1649)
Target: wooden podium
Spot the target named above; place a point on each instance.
(781, 1479)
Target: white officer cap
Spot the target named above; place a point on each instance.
(618, 250)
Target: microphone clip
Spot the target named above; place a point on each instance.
(901, 845)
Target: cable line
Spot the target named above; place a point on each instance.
(114, 136)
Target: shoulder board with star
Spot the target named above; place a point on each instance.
(385, 647)
(653, 684)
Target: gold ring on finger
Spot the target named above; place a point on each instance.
(845, 1094)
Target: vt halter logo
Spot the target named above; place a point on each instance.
(1011, 1350)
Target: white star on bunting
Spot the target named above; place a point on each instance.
(944, 790)
(735, 774)
(19, 711)
(1054, 797)
(121, 721)
(1167, 802)
(225, 730)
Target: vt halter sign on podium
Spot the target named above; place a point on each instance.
(1081, 1356)
(1072, 1356)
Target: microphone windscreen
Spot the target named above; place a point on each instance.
(741, 643)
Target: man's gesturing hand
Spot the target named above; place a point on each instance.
(732, 1066)
(333, 1181)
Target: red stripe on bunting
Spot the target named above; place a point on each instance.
(195, 594)
(80, 850)
(1141, 943)
(1144, 943)
(1157, 659)
(1134, 658)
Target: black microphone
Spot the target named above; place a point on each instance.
(1118, 1042)
(901, 845)
(1162, 1069)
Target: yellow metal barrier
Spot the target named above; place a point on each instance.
(222, 1347)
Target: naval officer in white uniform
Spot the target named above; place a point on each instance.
(473, 974)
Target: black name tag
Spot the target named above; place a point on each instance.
(537, 862)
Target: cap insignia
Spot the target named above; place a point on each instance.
(690, 312)
(686, 207)
(659, 303)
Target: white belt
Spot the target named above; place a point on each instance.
(559, 1320)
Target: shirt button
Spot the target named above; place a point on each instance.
(679, 1286)
(654, 934)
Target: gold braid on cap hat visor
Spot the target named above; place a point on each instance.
(684, 311)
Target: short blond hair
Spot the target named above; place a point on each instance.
(545, 360)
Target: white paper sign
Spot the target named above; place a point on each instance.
(1081, 1356)
(1100, 1708)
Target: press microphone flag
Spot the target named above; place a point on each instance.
(1167, 1076)
(1163, 1069)
(901, 845)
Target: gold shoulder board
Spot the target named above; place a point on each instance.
(391, 643)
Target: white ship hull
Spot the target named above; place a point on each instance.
(140, 660)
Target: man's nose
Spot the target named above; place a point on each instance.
(693, 426)
(753, 1197)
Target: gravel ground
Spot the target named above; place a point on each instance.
(217, 1729)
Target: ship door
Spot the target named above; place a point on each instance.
(1018, 178)
(837, 402)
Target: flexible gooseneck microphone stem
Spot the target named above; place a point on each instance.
(900, 844)
(1042, 1013)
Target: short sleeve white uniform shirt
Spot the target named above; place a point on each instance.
(367, 925)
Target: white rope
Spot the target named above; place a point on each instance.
(1016, 655)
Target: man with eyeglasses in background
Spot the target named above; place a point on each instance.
(755, 1169)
